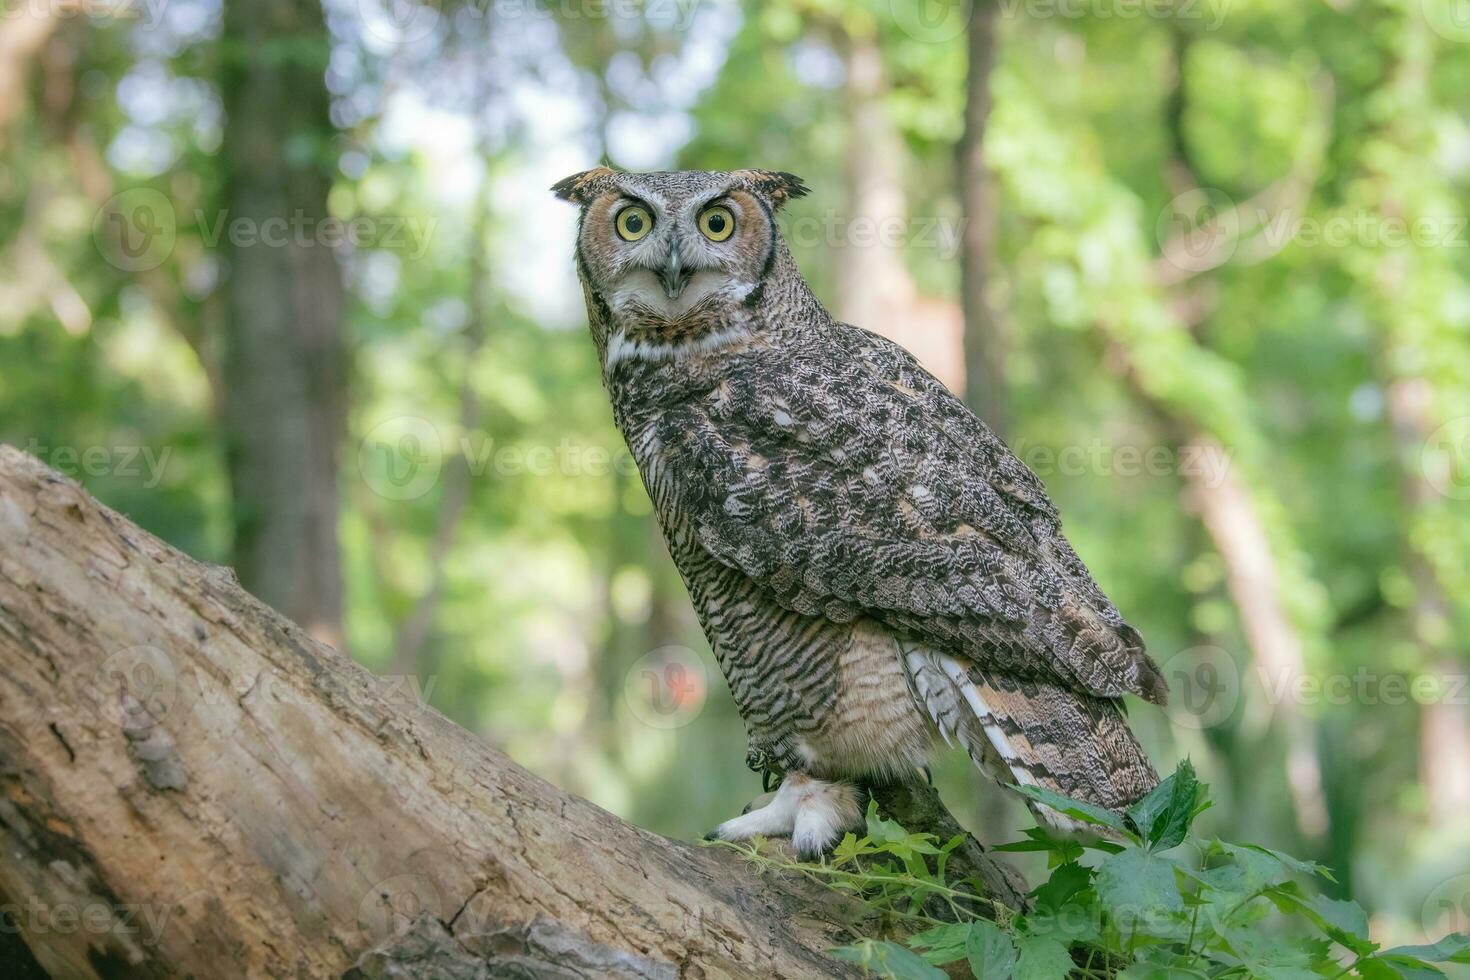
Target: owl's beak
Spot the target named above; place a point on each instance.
(673, 275)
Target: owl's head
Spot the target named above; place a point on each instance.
(662, 250)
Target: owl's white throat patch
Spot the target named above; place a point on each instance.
(628, 345)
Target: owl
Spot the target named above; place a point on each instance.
(874, 569)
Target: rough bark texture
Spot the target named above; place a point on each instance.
(284, 373)
(192, 785)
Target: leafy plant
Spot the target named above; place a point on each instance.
(1152, 902)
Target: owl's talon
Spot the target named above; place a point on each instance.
(814, 813)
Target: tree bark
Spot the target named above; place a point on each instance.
(284, 374)
(190, 784)
(985, 333)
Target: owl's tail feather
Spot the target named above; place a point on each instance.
(1027, 731)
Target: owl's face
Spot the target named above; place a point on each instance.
(665, 250)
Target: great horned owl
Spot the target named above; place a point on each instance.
(871, 564)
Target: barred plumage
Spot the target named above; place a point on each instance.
(870, 563)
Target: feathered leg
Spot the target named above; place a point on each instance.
(814, 813)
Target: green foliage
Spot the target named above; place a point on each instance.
(1153, 901)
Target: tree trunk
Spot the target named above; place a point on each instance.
(984, 330)
(874, 288)
(192, 785)
(23, 32)
(284, 368)
(1444, 722)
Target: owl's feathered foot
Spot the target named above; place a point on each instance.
(814, 813)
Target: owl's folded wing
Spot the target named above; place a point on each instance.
(853, 484)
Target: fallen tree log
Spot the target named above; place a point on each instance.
(191, 785)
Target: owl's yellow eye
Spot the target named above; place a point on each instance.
(717, 223)
(633, 223)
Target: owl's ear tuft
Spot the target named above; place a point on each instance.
(583, 187)
(777, 185)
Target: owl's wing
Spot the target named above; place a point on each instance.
(846, 481)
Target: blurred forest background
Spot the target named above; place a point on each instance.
(282, 281)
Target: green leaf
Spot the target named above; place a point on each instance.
(1040, 958)
(1064, 884)
(1061, 849)
(1344, 921)
(991, 953)
(889, 960)
(1086, 812)
(851, 848)
(1162, 817)
(1290, 863)
(1136, 887)
(1454, 948)
(881, 830)
(943, 943)
(1398, 968)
